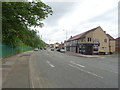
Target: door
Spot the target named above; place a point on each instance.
(89, 50)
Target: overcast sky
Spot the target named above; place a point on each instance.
(77, 16)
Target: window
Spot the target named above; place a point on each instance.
(105, 40)
(89, 39)
(84, 39)
(104, 47)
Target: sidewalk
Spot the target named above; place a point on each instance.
(15, 71)
(81, 55)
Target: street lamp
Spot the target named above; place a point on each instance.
(65, 33)
(65, 44)
(49, 41)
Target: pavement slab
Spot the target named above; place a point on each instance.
(16, 71)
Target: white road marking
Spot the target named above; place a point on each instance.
(86, 71)
(77, 64)
(50, 64)
(114, 72)
(102, 57)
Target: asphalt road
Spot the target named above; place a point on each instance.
(51, 69)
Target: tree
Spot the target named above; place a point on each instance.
(17, 17)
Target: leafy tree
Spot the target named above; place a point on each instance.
(17, 17)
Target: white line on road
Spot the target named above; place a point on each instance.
(77, 64)
(50, 64)
(86, 71)
(114, 72)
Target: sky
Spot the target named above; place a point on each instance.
(72, 17)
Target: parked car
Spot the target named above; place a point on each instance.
(52, 49)
(44, 48)
(58, 50)
(36, 49)
(41, 48)
(62, 50)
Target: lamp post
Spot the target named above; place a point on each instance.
(65, 43)
(49, 41)
(65, 33)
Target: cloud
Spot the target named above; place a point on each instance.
(78, 16)
(83, 12)
(108, 16)
(59, 10)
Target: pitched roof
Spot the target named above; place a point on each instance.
(118, 38)
(110, 37)
(75, 37)
(56, 43)
(82, 34)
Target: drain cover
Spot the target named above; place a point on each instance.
(26, 55)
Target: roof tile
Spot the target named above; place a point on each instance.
(82, 34)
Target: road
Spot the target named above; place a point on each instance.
(51, 69)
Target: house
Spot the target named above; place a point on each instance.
(94, 41)
(56, 45)
(117, 44)
(111, 44)
(61, 46)
(51, 45)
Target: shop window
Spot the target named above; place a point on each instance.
(95, 49)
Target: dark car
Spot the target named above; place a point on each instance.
(40, 48)
(52, 49)
(44, 48)
(58, 50)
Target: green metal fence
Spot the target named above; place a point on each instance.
(6, 50)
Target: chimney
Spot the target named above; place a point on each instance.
(105, 32)
(70, 36)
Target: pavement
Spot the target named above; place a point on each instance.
(0, 74)
(81, 55)
(15, 71)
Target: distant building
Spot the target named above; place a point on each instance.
(51, 45)
(94, 41)
(117, 44)
(61, 46)
(56, 45)
(111, 44)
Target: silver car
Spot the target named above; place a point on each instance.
(62, 50)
